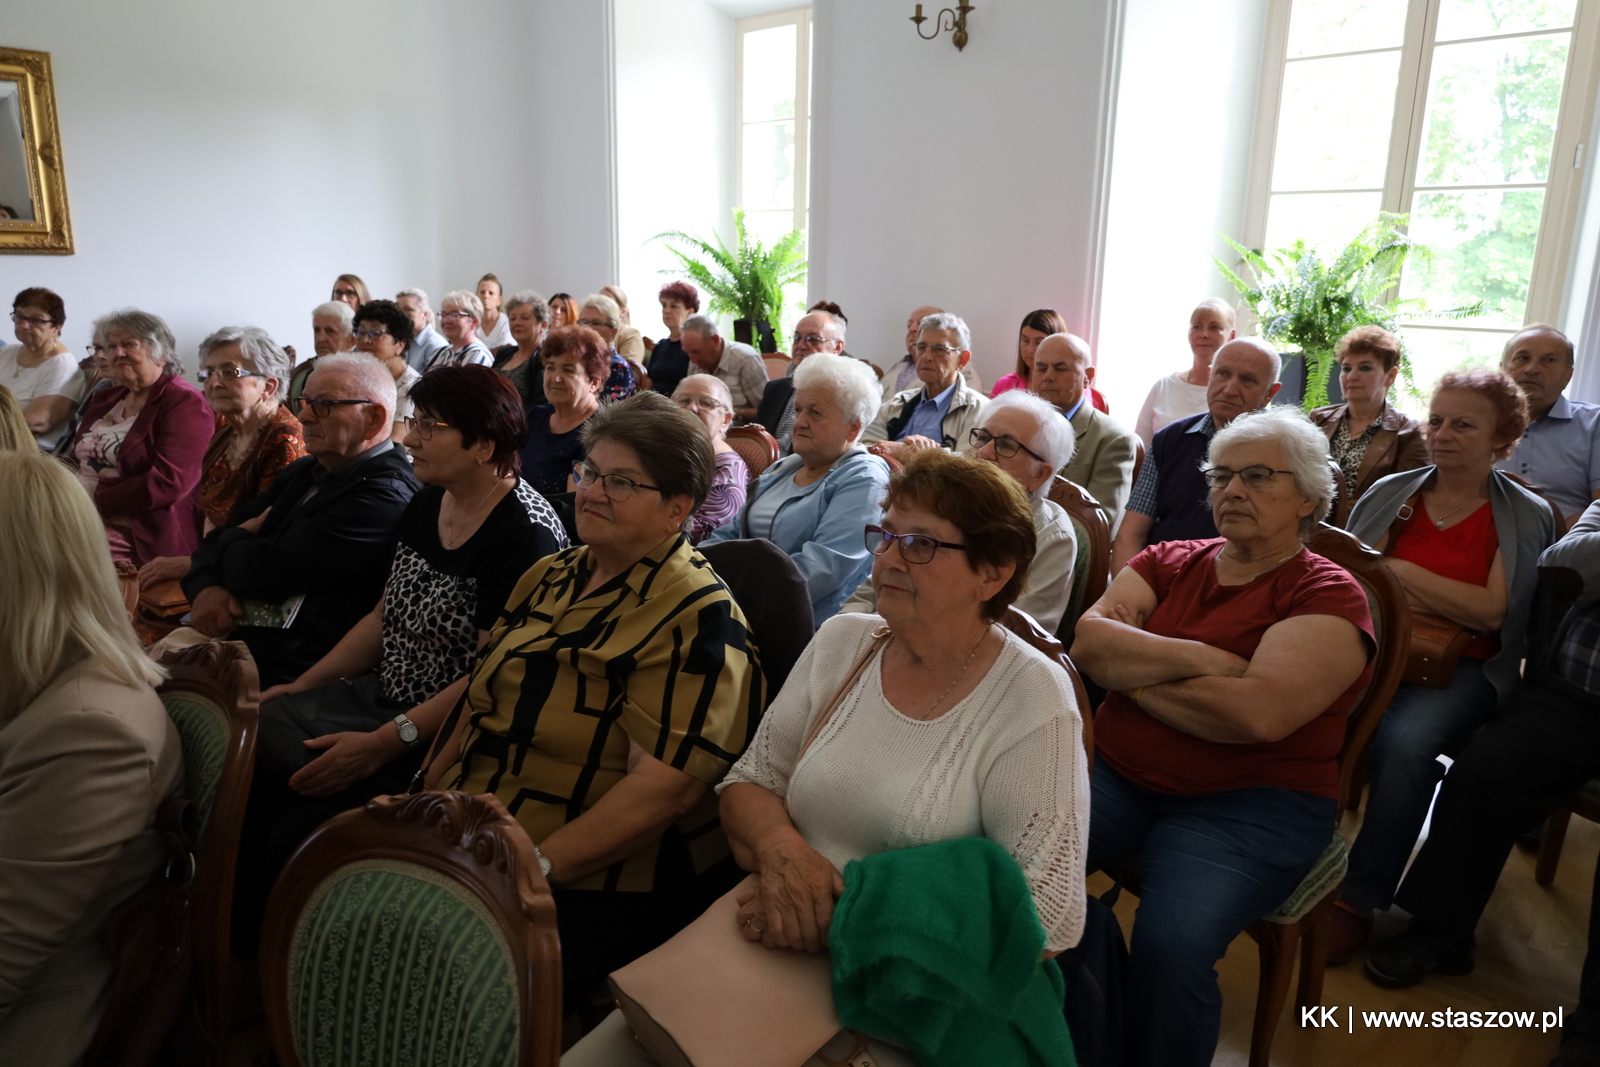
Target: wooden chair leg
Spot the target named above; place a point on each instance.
(1314, 952)
(1277, 944)
(1550, 842)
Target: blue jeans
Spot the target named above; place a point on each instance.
(1211, 864)
(1421, 723)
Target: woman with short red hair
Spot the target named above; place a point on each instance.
(669, 363)
(576, 364)
(1464, 540)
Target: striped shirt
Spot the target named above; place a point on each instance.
(473, 352)
(1578, 655)
(660, 654)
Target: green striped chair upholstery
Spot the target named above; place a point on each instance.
(203, 729)
(391, 963)
(414, 932)
(1080, 579)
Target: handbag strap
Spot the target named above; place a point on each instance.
(1402, 518)
(447, 728)
(880, 637)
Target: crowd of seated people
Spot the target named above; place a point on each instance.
(438, 552)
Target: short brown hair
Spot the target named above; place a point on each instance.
(46, 301)
(1047, 321)
(1370, 341)
(1510, 406)
(984, 503)
(582, 342)
(480, 404)
(672, 445)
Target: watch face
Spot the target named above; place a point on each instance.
(408, 730)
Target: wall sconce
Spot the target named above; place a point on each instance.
(958, 24)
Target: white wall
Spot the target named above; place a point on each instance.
(225, 162)
(674, 106)
(967, 180)
(1184, 123)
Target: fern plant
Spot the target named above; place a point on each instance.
(1305, 302)
(746, 281)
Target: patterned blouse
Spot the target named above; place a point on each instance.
(660, 654)
(224, 488)
(729, 484)
(1347, 451)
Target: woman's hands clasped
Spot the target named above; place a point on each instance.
(792, 905)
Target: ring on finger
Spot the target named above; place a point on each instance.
(751, 923)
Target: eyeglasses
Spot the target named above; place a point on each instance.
(922, 347)
(322, 407)
(228, 374)
(1255, 476)
(593, 324)
(31, 321)
(130, 347)
(615, 486)
(370, 335)
(699, 403)
(1005, 446)
(340, 294)
(815, 340)
(457, 315)
(424, 428)
(914, 548)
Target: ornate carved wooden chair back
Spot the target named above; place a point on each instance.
(415, 931)
(1093, 570)
(1023, 625)
(757, 447)
(1391, 622)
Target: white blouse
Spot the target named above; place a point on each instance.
(1006, 763)
(1172, 398)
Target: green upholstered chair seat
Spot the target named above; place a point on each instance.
(1325, 876)
(203, 732)
(392, 964)
(1080, 582)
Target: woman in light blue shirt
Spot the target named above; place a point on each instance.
(815, 503)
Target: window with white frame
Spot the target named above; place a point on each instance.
(1466, 115)
(772, 118)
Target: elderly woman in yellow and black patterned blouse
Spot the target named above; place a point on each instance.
(618, 686)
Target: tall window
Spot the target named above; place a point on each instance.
(772, 117)
(1465, 114)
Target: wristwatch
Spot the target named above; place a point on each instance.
(408, 730)
(544, 862)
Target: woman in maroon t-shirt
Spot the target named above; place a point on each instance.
(1231, 664)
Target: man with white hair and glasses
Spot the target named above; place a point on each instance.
(819, 331)
(333, 330)
(306, 559)
(1028, 439)
(941, 408)
(426, 341)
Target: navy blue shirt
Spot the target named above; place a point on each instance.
(548, 458)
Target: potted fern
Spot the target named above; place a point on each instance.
(746, 281)
(1306, 303)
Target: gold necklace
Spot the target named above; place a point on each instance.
(1439, 522)
(962, 674)
(450, 527)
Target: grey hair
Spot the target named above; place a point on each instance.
(260, 352)
(337, 309)
(1261, 346)
(152, 330)
(829, 317)
(607, 307)
(1055, 439)
(702, 325)
(369, 373)
(525, 299)
(718, 386)
(943, 320)
(1305, 452)
(420, 295)
(460, 298)
(855, 388)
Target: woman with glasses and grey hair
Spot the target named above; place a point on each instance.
(141, 443)
(706, 397)
(813, 503)
(244, 374)
(1231, 664)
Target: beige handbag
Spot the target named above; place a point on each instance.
(709, 998)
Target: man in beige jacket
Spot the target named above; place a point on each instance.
(940, 409)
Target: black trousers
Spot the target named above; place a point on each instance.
(1521, 767)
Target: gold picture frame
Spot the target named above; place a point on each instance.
(33, 180)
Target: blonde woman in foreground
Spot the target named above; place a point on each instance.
(14, 432)
(87, 754)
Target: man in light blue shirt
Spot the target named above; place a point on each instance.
(941, 408)
(428, 342)
(1560, 453)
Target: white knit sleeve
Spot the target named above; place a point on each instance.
(1036, 805)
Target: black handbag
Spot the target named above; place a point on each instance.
(287, 723)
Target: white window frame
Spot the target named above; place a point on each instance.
(800, 18)
(1553, 251)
